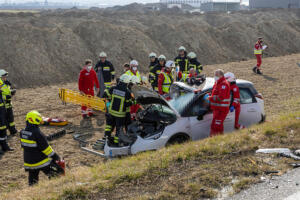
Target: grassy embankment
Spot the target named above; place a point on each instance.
(193, 170)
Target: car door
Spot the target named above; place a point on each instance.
(250, 109)
(200, 118)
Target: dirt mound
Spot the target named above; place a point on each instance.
(49, 47)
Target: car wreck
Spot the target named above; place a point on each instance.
(186, 117)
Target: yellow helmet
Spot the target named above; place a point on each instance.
(34, 117)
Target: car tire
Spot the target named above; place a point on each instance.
(178, 139)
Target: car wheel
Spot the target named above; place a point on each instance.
(178, 139)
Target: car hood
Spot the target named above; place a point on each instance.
(145, 96)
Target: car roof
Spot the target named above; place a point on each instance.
(209, 83)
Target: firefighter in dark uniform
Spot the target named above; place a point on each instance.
(155, 72)
(7, 93)
(194, 63)
(3, 136)
(153, 63)
(153, 60)
(120, 99)
(183, 62)
(105, 70)
(38, 154)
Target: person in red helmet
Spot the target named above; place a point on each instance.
(87, 80)
(219, 101)
(258, 51)
(235, 105)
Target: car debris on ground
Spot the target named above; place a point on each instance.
(284, 152)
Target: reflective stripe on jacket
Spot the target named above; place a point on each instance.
(220, 96)
(37, 151)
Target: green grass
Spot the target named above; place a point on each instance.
(193, 170)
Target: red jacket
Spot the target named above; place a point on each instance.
(258, 46)
(161, 79)
(236, 94)
(220, 95)
(87, 81)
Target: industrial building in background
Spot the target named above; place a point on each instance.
(205, 5)
(220, 5)
(179, 3)
(274, 4)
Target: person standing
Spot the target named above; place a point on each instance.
(37, 153)
(183, 62)
(153, 60)
(7, 93)
(120, 99)
(3, 136)
(258, 51)
(134, 70)
(219, 101)
(155, 72)
(194, 63)
(105, 72)
(165, 79)
(87, 80)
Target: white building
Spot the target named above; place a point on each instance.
(194, 3)
(220, 5)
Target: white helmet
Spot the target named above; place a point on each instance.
(152, 55)
(134, 62)
(182, 48)
(102, 55)
(192, 55)
(162, 57)
(135, 80)
(125, 78)
(169, 64)
(3, 72)
(229, 76)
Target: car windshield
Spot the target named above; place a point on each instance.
(181, 102)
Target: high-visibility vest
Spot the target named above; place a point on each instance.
(258, 51)
(167, 82)
(6, 95)
(129, 72)
(185, 76)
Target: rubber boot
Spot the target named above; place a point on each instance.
(5, 147)
(255, 69)
(13, 131)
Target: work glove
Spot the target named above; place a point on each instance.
(206, 98)
(231, 108)
(55, 157)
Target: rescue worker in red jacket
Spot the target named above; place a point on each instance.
(165, 79)
(219, 101)
(235, 101)
(258, 51)
(87, 80)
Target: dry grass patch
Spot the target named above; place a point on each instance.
(189, 171)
